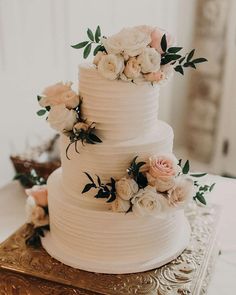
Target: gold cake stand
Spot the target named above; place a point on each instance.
(28, 271)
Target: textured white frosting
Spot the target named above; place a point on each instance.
(109, 159)
(121, 110)
(84, 232)
(110, 242)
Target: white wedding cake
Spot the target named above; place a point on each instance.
(116, 205)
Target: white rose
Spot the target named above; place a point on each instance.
(98, 57)
(126, 188)
(80, 126)
(129, 41)
(182, 192)
(150, 60)
(39, 217)
(60, 93)
(132, 69)
(29, 207)
(60, 118)
(147, 202)
(120, 205)
(110, 66)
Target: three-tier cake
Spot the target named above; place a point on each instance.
(116, 205)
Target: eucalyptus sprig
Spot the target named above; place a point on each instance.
(85, 136)
(171, 55)
(107, 191)
(201, 189)
(134, 172)
(30, 179)
(93, 38)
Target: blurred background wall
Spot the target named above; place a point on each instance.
(35, 39)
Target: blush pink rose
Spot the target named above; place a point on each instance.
(39, 193)
(156, 36)
(60, 93)
(155, 76)
(163, 166)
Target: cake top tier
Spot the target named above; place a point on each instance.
(121, 110)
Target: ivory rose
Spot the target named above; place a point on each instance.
(98, 57)
(163, 166)
(120, 205)
(29, 207)
(182, 192)
(61, 119)
(147, 202)
(161, 184)
(59, 94)
(80, 126)
(155, 76)
(39, 217)
(145, 29)
(110, 66)
(39, 193)
(156, 36)
(132, 69)
(129, 41)
(126, 188)
(149, 60)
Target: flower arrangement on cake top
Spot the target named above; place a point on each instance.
(153, 188)
(63, 106)
(141, 53)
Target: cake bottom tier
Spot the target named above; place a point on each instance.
(109, 242)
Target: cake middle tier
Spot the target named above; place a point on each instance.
(121, 110)
(109, 159)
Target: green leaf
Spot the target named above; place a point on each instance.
(163, 43)
(99, 180)
(39, 97)
(186, 167)
(180, 163)
(48, 108)
(90, 35)
(112, 198)
(133, 161)
(87, 50)
(89, 177)
(198, 175)
(212, 187)
(88, 187)
(140, 164)
(190, 55)
(174, 49)
(179, 69)
(97, 49)
(80, 45)
(181, 59)
(130, 208)
(169, 57)
(189, 64)
(97, 34)
(41, 112)
(94, 137)
(200, 198)
(199, 60)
